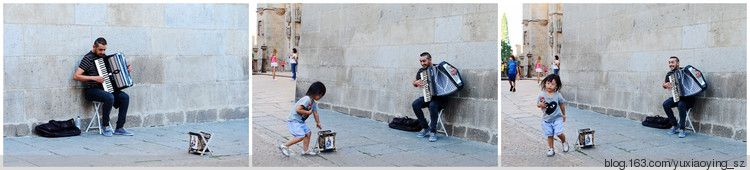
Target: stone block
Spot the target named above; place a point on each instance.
(459, 131)
(200, 116)
(90, 14)
(477, 135)
(617, 113)
(340, 109)
(357, 15)
(234, 113)
(44, 104)
(694, 36)
(151, 120)
(128, 40)
(231, 16)
(480, 27)
(13, 40)
(448, 29)
(16, 130)
(53, 14)
(705, 13)
(326, 106)
(704, 127)
(237, 42)
(740, 135)
(40, 72)
(146, 69)
(360, 113)
(13, 106)
(57, 40)
(391, 13)
(136, 15)
(727, 33)
(188, 42)
(185, 69)
(636, 116)
(231, 94)
(670, 15)
(130, 120)
(383, 117)
(599, 109)
(722, 131)
(231, 68)
(467, 55)
(174, 118)
(198, 16)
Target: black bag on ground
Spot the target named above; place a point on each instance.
(58, 129)
(405, 123)
(657, 122)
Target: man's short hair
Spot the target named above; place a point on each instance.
(100, 41)
(425, 54)
(675, 57)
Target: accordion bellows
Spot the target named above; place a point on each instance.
(114, 69)
(441, 81)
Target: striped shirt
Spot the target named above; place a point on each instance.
(89, 69)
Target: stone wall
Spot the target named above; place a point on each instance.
(616, 58)
(367, 55)
(189, 61)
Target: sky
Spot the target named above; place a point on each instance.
(514, 15)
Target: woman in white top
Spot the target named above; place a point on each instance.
(556, 65)
(293, 60)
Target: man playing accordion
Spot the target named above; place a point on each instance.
(92, 82)
(436, 103)
(683, 103)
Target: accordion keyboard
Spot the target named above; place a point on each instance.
(102, 70)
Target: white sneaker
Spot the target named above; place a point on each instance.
(565, 147)
(284, 150)
(309, 153)
(551, 152)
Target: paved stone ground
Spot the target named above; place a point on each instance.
(360, 142)
(150, 146)
(619, 139)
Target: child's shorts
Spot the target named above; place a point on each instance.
(298, 129)
(552, 128)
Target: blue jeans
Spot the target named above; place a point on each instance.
(435, 105)
(556, 70)
(682, 107)
(294, 71)
(117, 99)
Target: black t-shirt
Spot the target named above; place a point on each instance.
(89, 69)
(420, 71)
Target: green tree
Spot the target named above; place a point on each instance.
(505, 49)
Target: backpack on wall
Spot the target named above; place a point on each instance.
(405, 123)
(657, 122)
(58, 129)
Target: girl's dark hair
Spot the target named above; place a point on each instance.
(556, 58)
(550, 78)
(316, 88)
(512, 58)
(294, 50)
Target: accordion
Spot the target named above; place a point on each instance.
(114, 69)
(438, 81)
(686, 82)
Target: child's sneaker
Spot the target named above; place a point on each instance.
(309, 153)
(284, 150)
(551, 152)
(566, 147)
(671, 132)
